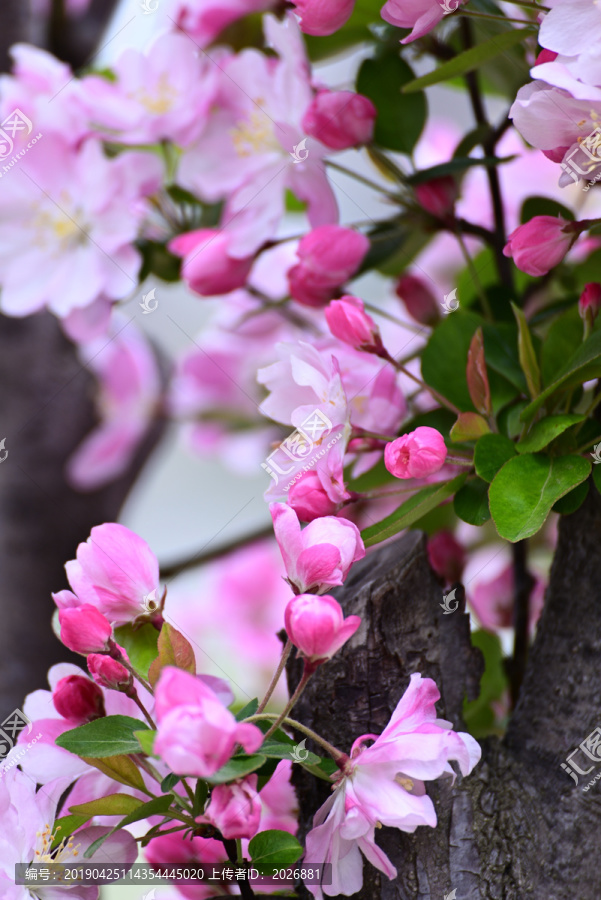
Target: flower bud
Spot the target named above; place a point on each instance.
(308, 498)
(84, 629)
(415, 455)
(317, 627)
(207, 267)
(590, 301)
(348, 321)
(78, 699)
(340, 119)
(540, 244)
(447, 556)
(419, 300)
(328, 256)
(438, 196)
(235, 809)
(108, 673)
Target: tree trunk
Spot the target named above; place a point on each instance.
(518, 827)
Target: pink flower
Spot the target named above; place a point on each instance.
(572, 29)
(71, 219)
(447, 556)
(108, 672)
(204, 20)
(493, 601)
(197, 734)
(419, 15)
(235, 809)
(590, 301)
(340, 119)
(207, 268)
(317, 627)
(383, 784)
(348, 321)
(418, 299)
(438, 196)
(84, 629)
(128, 396)
(319, 17)
(173, 849)
(319, 556)
(308, 498)
(415, 455)
(329, 256)
(540, 244)
(78, 699)
(115, 571)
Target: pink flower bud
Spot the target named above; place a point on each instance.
(207, 268)
(438, 196)
(316, 625)
(108, 673)
(348, 321)
(340, 119)
(84, 629)
(545, 56)
(590, 300)
(235, 809)
(419, 301)
(417, 454)
(78, 699)
(322, 18)
(308, 498)
(540, 244)
(447, 556)
(328, 257)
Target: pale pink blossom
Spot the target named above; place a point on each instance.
(317, 627)
(78, 699)
(328, 257)
(204, 20)
(235, 809)
(492, 601)
(278, 801)
(115, 571)
(321, 17)
(419, 15)
(246, 155)
(320, 555)
(84, 629)
(383, 784)
(417, 454)
(207, 268)
(573, 29)
(128, 395)
(197, 734)
(540, 244)
(348, 321)
(309, 499)
(340, 119)
(70, 221)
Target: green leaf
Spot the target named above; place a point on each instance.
(146, 741)
(324, 770)
(597, 476)
(153, 808)
(411, 510)
(501, 350)
(66, 826)
(237, 767)
(562, 340)
(524, 490)
(157, 260)
(471, 502)
(528, 360)
(273, 849)
(248, 710)
(469, 427)
(141, 645)
(169, 782)
(572, 501)
(444, 358)
(544, 206)
(113, 805)
(478, 714)
(456, 166)
(400, 119)
(173, 650)
(108, 736)
(470, 59)
(355, 31)
(119, 768)
(277, 750)
(491, 452)
(545, 431)
(583, 365)
(201, 792)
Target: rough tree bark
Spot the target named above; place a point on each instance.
(518, 827)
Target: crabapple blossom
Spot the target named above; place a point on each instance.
(417, 454)
(197, 734)
(235, 809)
(492, 601)
(590, 301)
(207, 268)
(204, 20)
(419, 15)
(348, 321)
(572, 29)
(308, 498)
(115, 571)
(383, 784)
(173, 849)
(340, 119)
(317, 627)
(78, 699)
(541, 244)
(446, 556)
(320, 555)
(319, 18)
(418, 299)
(108, 672)
(329, 256)
(84, 629)
(438, 196)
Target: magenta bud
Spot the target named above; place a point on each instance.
(78, 699)
(84, 630)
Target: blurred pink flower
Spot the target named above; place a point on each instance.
(540, 244)
(340, 119)
(235, 809)
(446, 556)
(319, 17)
(492, 601)
(317, 626)
(438, 196)
(84, 629)
(207, 268)
(329, 256)
(348, 321)
(419, 300)
(419, 15)
(417, 454)
(204, 20)
(320, 555)
(173, 849)
(383, 784)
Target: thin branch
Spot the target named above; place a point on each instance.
(198, 559)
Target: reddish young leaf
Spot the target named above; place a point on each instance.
(174, 650)
(477, 379)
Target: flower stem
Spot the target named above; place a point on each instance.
(276, 675)
(334, 752)
(133, 695)
(308, 671)
(367, 181)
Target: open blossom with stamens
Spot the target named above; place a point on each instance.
(383, 784)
